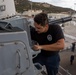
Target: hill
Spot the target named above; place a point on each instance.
(23, 5)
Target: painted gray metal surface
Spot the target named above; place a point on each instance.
(15, 50)
(15, 55)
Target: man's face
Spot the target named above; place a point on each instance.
(39, 28)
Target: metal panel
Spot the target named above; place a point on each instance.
(15, 55)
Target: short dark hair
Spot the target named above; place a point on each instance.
(41, 18)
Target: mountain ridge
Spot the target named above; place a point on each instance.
(24, 5)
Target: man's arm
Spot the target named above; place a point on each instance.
(59, 45)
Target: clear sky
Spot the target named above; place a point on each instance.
(61, 3)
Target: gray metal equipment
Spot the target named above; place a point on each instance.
(15, 48)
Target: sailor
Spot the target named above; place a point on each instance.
(51, 41)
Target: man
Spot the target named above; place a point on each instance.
(73, 46)
(72, 58)
(51, 41)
